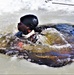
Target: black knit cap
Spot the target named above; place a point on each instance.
(29, 20)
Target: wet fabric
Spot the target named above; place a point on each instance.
(19, 34)
(65, 28)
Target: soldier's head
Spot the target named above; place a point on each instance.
(28, 23)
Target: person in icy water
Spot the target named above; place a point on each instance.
(27, 26)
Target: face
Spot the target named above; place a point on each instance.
(25, 29)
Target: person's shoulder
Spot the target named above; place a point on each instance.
(19, 34)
